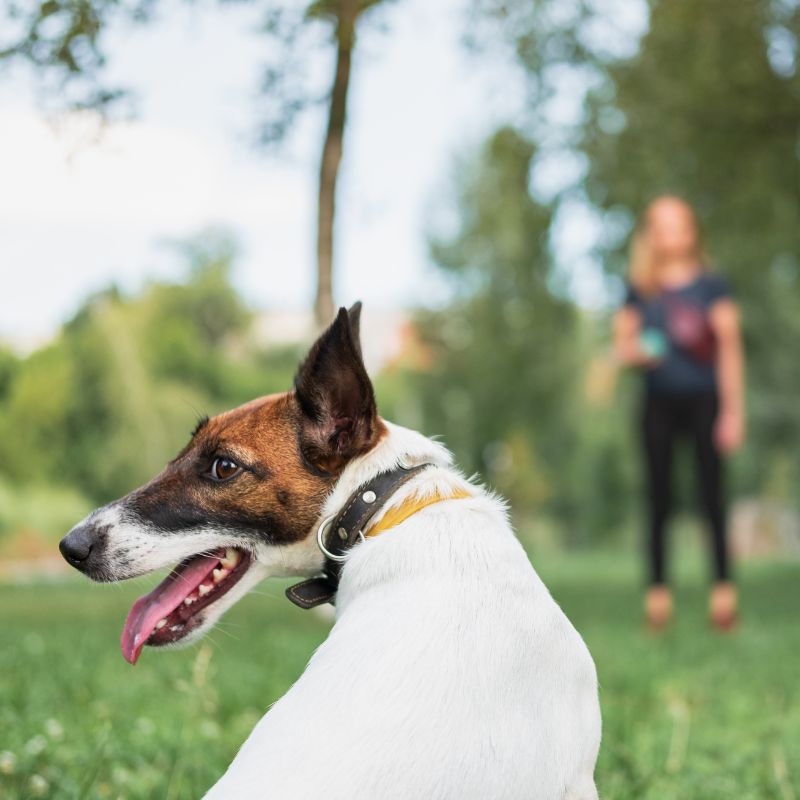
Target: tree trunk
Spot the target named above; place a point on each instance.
(331, 159)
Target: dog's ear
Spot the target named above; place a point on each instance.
(354, 315)
(337, 402)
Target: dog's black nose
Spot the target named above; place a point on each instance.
(76, 545)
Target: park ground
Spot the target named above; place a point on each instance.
(689, 714)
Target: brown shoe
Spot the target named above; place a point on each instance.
(658, 607)
(723, 606)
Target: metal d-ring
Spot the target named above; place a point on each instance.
(321, 531)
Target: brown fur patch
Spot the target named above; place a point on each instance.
(277, 496)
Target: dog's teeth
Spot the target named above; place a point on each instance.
(203, 589)
(187, 601)
(160, 624)
(219, 575)
(231, 559)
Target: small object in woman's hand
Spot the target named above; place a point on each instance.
(653, 343)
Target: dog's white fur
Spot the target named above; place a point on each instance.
(450, 674)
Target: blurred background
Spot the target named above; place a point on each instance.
(187, 191)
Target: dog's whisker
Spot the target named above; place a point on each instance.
(226, 623)
(227, 633)
(265, 593)
(213, 642)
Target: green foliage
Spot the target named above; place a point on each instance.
(501, 385)
(185, 328)
(41, 511)
(64, 40)
(8, 367)
(689, 715)
(66, 44)
(105, 405)
(507, 385)
(34, 414)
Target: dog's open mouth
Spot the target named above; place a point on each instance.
(172, 609)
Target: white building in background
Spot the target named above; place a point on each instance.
(385, 335)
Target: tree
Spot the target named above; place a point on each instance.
(66, 42)
(501, 382)
(345, 21)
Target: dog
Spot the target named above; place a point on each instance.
(450, 672)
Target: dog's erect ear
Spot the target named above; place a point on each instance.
(354, 315)
(339, 419)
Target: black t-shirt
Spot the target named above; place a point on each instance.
(679, 372)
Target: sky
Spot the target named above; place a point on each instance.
(79, 211)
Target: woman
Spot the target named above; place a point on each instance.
(680, 327)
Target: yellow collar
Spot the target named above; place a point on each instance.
(394, 516)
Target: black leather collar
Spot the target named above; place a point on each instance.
(337, 534)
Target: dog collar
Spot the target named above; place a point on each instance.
(338, 533)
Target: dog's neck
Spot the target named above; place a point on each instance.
(398, 446)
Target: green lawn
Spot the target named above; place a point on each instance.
(687, 715)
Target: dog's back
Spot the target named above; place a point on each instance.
(450, 673)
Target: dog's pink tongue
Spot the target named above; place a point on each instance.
(166, 597)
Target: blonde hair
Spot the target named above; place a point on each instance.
(642, 267)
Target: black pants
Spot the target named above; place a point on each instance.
(666, 418)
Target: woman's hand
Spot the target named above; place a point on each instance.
(729, 428)
(634, 355)
(627, 340)
(729, 431)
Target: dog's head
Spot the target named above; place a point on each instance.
(239, 503)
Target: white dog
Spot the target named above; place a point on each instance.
(450, 673)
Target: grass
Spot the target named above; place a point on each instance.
(689, 714)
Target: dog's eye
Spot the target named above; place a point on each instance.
(222, 469)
